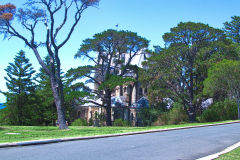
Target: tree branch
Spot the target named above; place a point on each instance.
(77, 18)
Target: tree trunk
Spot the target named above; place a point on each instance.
(130, 100)
(238, 101)
(192, 112)
(121, 90)
(59, 103)
(137, 88)
(19, 109)
(56, 83)
(108, 108)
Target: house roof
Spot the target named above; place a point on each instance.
(117, 101)
(141, 103)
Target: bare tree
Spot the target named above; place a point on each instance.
(51, 17)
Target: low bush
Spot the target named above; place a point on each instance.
(163, 119)
(120, 122)
(220, 111)
(90, 122)
(176, 115)
(79, 122)
(100, 119)
(147, 116)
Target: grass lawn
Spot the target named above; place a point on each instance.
(233, 155)
(26, 133)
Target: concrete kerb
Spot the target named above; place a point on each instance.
(47, 141)
(217, 155)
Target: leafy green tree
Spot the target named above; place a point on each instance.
(44, 15)
(110, 54)
(232, 29)
(178, 71)
(20, 88)
(224, 77)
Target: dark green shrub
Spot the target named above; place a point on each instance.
(4, 117)
(100, 119)
(90, 122)
(231, 110)
(163, 119)
(120, 122)
(177, 116)
(79, 122)
(220, 111)
(209, 115)
(147, 116)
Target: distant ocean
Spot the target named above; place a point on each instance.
(2, 106)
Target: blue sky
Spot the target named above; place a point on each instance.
(149, 18)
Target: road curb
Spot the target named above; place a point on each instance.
(217, 155)
(48, 141)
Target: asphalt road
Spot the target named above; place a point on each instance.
(187, 144)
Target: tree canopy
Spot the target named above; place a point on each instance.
(21, 87)
(232, 29)
(224, 78)
(179, 69)
(110, 54)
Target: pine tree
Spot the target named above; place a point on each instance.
(20, 87)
